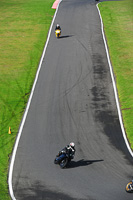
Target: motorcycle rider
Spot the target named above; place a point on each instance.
(57, 27)
(131, 186)
(69, 150)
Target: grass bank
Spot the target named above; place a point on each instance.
(118, 25)
(23, 31)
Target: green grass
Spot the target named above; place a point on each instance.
(23, 31)
(118, 25)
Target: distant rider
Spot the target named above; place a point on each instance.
(69, 150)
(57, 27)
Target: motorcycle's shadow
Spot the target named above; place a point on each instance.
(81, 163)
(65, 36)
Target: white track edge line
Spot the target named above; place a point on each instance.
(26, 112)
(114, 86)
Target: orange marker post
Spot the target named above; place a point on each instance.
(9, 132)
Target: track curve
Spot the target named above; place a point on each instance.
(73, 101)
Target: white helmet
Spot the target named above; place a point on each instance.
(72, 144)
(57, 25)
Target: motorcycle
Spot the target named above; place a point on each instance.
(58, 33)
(62, 160)
(129, 187)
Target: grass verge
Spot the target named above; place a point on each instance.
(117, 18)
(23, 31)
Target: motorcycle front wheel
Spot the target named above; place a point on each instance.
(55, 161)
(63, 163)
(128, 189)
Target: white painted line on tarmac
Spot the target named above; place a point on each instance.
(26, 112)
(114, 86)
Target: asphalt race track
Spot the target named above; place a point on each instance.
(73, 101)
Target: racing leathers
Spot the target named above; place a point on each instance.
(70, 151)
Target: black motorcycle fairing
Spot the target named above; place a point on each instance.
(62, 160)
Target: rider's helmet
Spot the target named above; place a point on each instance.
(72, 144)
(57, 25)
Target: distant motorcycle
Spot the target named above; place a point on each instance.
(62, 160)
(58, 33)
(129, 187)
